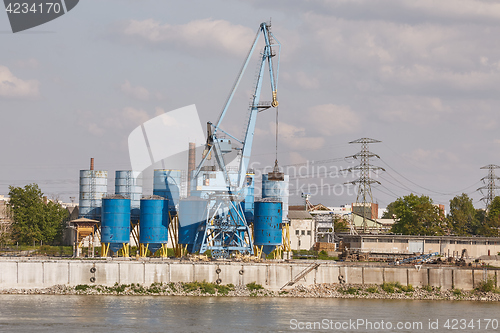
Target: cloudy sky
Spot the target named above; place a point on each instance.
(422, 76)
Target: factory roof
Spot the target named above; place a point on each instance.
(299, 215)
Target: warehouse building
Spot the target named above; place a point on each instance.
(448, 246)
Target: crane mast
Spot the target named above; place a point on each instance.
(225, 228)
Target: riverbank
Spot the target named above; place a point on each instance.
(384, 291)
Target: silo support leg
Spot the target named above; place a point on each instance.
(163, 250)
(104, 250)
(143, 250)
(258, 250)
(278, 252)
(125, 250)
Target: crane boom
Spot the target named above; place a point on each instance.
(213, 142)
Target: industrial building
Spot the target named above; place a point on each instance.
(302, 230)
(448, 246)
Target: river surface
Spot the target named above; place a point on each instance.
(55, 313)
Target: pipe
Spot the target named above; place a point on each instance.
(91, 163)
(191, 165)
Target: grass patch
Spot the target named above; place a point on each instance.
(350, 291)
(82, 287)
(372, 290)
(155, 288)
(457, 292)
(252, 286)
(171, 285)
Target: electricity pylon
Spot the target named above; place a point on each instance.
(364, 181)
(491, 186)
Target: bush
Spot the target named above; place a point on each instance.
(427, 288)
(457, 292)
(190, 286)
(207, 288)
(254, 286)
(372, 290)
(388, 287)
(224, 289)
(487, 286)
(408, 288)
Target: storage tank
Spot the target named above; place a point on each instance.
(192, 213)
(93, 187)
(154, 224)
(267, 224)
(128, 184)
(248, 204)
(115, 224)
(278, 190)
(167, 184)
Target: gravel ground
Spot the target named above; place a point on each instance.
(319, 290)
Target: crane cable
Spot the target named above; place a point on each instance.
(276, 161)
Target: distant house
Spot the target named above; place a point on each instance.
(302, 230)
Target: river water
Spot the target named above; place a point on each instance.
(54, 313)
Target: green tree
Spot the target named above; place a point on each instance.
(340, 224)
(418, 216)
(462, 217)
(491, 225)
(33, 219)
(389, 211)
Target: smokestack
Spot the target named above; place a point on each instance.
(191, 164)
(91, 163)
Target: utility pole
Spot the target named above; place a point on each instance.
(490, 186)
(364, 181)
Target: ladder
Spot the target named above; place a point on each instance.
(301, 275)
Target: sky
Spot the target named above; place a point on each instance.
(422, 77)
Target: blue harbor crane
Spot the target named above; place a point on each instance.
(223, 228)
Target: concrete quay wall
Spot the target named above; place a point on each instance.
(35, 273)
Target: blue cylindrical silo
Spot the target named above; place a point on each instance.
(192, 213)
(93, 187)
(267, 225)
(154, 222)
(278, 190)
(167, 184)
(127, 184)
(248, 204)
(115, 223)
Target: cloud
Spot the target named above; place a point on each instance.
(30, 63)
(476, 11)
(136, 92)
(330, 119)
(433, 158)
(412, 109)
(296, 138)
(302, 79)
(13, 87)
(205, 34)
(116, 121)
